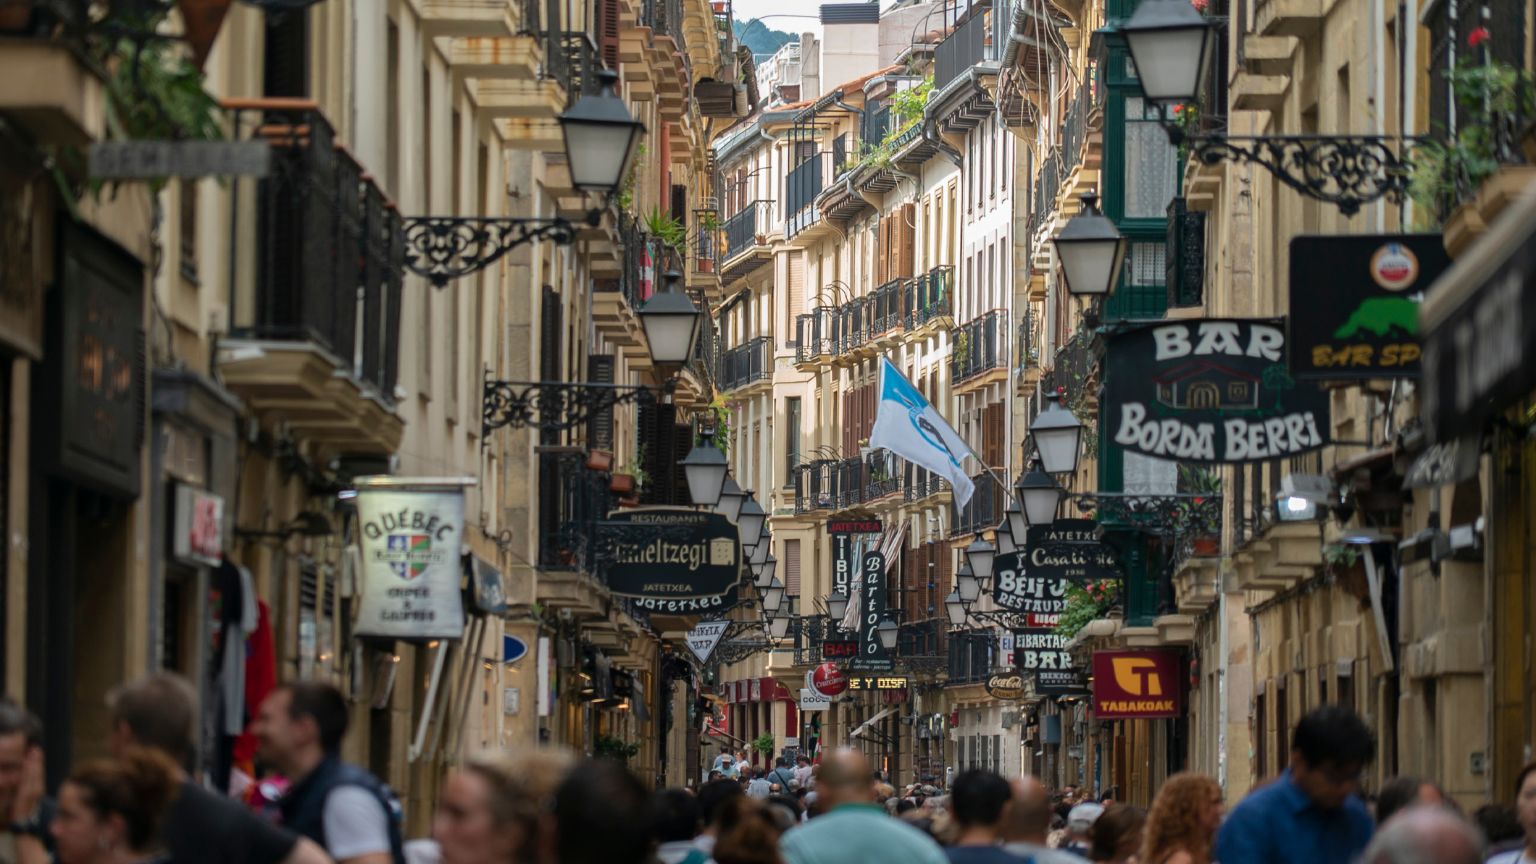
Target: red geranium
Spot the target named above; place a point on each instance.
(1478, 36)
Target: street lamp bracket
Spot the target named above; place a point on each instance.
(444, 248)
(556, 405)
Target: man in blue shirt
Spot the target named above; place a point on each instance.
(1311, 813)
(854, 829)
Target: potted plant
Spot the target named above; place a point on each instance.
(763, 744)
(659, 224)
(617, 749)
(599, 460)
(1201, 483)
(1344, 564)
(1086, 603)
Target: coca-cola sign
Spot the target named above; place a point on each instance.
(1007, 687)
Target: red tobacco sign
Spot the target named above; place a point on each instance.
(1136, 684)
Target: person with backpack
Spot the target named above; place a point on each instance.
(353, 815)
(783, 775)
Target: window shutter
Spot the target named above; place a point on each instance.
(882, 247)
(679, 199)
(792, 568)
(904, 242)
(285, 66)
(682, 443)
(600, 424)
(608, 32)
(795, 298)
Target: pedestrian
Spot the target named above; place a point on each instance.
(724, 763)
(353, 815)
(602, 816)
(1080, 821)
(159, 712)
(1402, 792)
(977, 801)
(743, 767)
(1500, 827)
(496, 809)
(853, 829)
(1027, 823)
(675, 823)
(110, 810)
(1117, 834)
(1311, 813)
(786, 811)
(1183, 821)
(713, 797)
(749, 834)
(24, 835)
(1525, 812)
(759, 787)
(782, 774)
(802, 772)
(1425, 835)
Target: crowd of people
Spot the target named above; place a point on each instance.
(140, 806)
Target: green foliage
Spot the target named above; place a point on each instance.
(763, 744)
(637, 470)
(617, 749)
(1198, 480)
(720, 417)
(1341, 555)
(907, 105)
(1484, 92)
(1086, 603)
(659, 224)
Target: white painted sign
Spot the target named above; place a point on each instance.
(411, 540)
(703, 638)
(810, 700)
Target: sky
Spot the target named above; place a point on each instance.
(746, 10)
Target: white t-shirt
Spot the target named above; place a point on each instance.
(355, 823)
(1510, 857)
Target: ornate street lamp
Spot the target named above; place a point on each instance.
(749, 521)
(967, 584)
(778, 625)
(887, 630)
(954, 607)
(731, 498)
(1005, 544)
(705, 467)
(600, 137)
(1091, 249)
(764, 545)
(600, 141)
(979, 556)
(764, 571)
(1018, 526)
(1038, 496)
(773, 596)
(837, 606)
(671, 322)
(1172, 45)
(1058, 434)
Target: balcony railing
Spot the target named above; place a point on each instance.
(743, 229)
(331, 253)
(919, 483)
(1184, 255)
(1043, 193)
(839, 484)
(573, 62)
(664, 17)
(929, 297)
(1028, 345)
(985, 509)
(637, 278)
(970, 656)
(815, 334)
(853, 321)
(981, 345)
(885, 308)
(706, 352)
(746, 363)
(706, 241)
(965, 46)
(802, 184)
(571, 501)
(1074, 365)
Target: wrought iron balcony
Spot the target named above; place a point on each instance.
(919, 483)
(968, 44)
(572, 60)
(1075, 369)
(816, 485)
(1185, 255)
(330, 253)
(747, 228)
(929, 298)
(801, 186)
(706, 241)
(981, 345)
(885, 312)
(971, 655)
(985, 509)
(1045, 191)
(853, 325)
(571, 501)
(640, 274)
(815, 335)
(746, 363)
(664, 17)
(1028, 344)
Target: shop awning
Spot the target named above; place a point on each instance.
(1478, 323)
(859, 730)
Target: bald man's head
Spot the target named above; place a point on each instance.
(1425, 835)
(846, 778)
(1028, 816)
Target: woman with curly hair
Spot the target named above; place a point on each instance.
(1183, 821)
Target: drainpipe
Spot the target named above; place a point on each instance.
(949, 152)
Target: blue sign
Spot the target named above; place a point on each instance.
(512, 649)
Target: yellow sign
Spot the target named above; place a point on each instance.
(881, 682)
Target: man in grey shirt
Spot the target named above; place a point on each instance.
(1028, 821)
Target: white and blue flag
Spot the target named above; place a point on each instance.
(908, 426)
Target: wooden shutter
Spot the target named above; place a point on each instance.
(600, 424)
(795, 296)
(792, 568)
(285, 62)
(682, 443)
(680, 203)
(992, 435)
(608, 33)
(903, 242)
(882, 244)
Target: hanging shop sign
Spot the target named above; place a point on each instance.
(1137, 684)
(1480, 329)
(839, 649)
(1049, 682)
(199, 537)
(1017, 588)
(827, 679)
(412, 531)
(1070, 549)
(843, 563)
(810, 700)
(1043, 653)
(873, 656)
(1361, 294)
(669, 553)
(1007, 687)
(712, 605)
(485, 577)
(854, 526)
(877, 682)
(1445, 463)
(703, 638)
(1210, 390)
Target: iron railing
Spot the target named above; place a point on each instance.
(743, 229)
(571, 501)
(1043, 194)
(852, 327)
(706, 351)
(980, 345)
(1075, 365)
(816, 334)
(968, 44)
(330, 253)
(1184, 255)
(929, 297)
(985, 509)
(885, 312)
(664, 17)
(746, 363)
(706, 241)
(970, 656)
(1028, 344)
(919, 483)
(574, 64)
(637, 277)
(801, 186)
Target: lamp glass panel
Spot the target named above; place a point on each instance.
(1168, 61)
